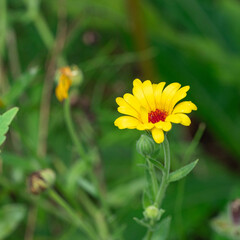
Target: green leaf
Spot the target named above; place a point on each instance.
(23, 164)
(157, 164)
(19, 86)
(162, 230)
(75, 172)
(10, 217)
(5, 121)
(182, 172)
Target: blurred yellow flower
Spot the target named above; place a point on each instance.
(153, 107)
(64, 83)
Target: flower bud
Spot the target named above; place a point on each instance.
(77, 75)
(41, 180)
(235, 212)
(153, 213)
(145, 145)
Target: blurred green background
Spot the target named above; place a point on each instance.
(194, 42)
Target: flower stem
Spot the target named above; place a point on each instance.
(164, 183)
(71, 129)
(74, 217)
(165, 174)
(149, 235)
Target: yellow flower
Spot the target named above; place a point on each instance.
(153, 107)
(64, 83)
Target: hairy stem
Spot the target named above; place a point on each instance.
(165, 174)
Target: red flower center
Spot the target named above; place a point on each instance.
(157, 116)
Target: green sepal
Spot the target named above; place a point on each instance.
(182, 172)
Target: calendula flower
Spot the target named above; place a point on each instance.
(64, 83)
(153, 107)
(67, 77)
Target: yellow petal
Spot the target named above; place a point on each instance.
(138, 93)
(132, 101)
(137, 81)
(158, 93)
(149, 95)
(128, 111)
(125, 108)
(166, 126)
(158, 135)
(145, 126)
(185, 120)
(179, 118)
(154, 86)
(180, 94)
(174, 118)
(144, 115)
(184, 107)
(168, 94)
(120, 101)
(126, 122)
(61, 92)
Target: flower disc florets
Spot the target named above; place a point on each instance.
(153, 107)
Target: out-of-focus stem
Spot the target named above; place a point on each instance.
(72, 214)
(71, 130)
(139, 35)
(3, 25)
(56, 47)
(31, 221)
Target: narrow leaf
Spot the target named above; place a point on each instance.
(5, 121)
(157, 164)
(182, 172)
(19, 86)
(141, 222)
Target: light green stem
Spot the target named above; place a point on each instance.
(149, 235)
(153, 177)
(164, 183)
(71, 129)
(165, 174)
(74, 217)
